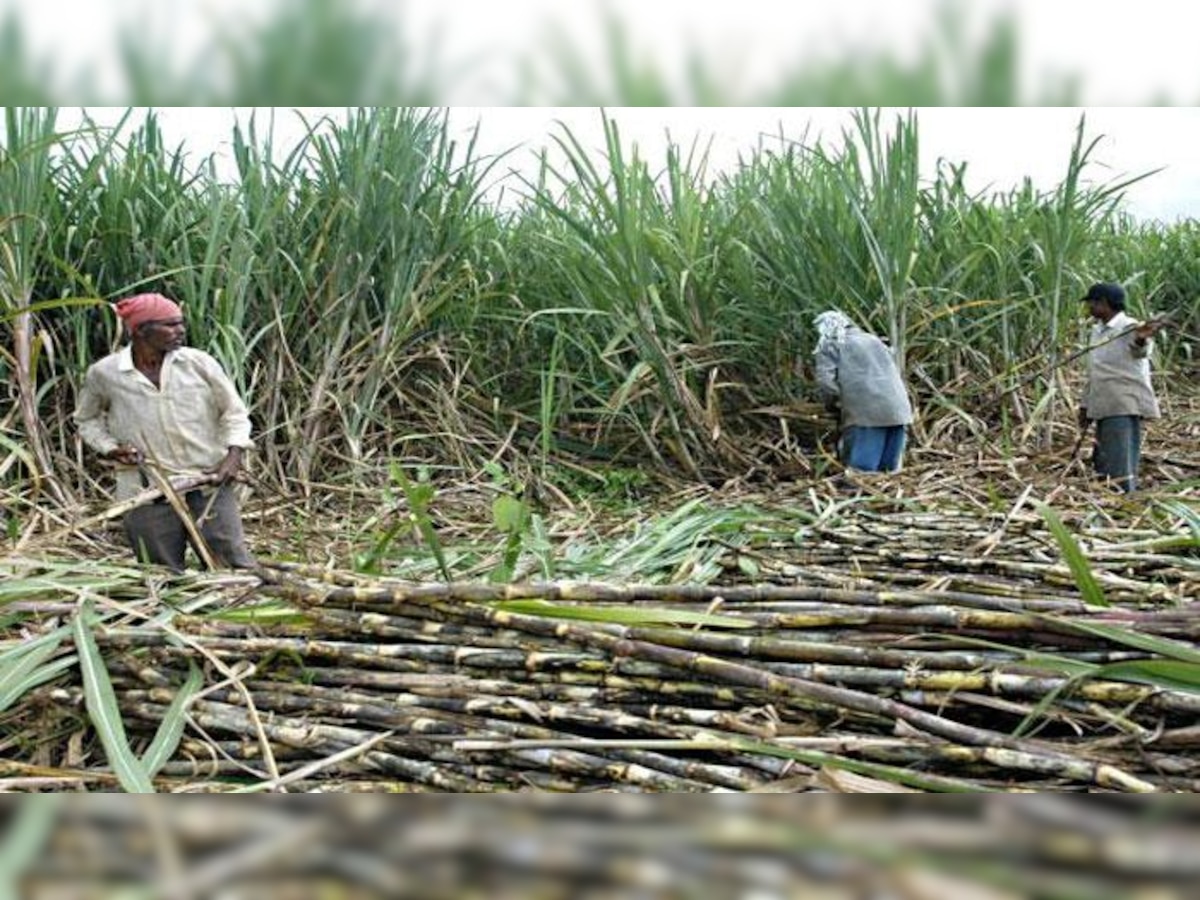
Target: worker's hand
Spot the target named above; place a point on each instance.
(125, 454)
(228, 468)
(1147, 330)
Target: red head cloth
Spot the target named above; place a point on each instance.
(147, 308)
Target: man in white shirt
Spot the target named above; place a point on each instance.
(1118, 394)
(857, 374)
(158, 403)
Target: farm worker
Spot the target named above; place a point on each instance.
(158, 403)
(1118, 393)
(857, 375)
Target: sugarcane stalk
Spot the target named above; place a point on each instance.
(748, 676)
(178, 483)
(429, 722)
(316, 738)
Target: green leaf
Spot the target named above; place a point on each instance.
(420, 495)
(41, 675)
(26, 459)
(1061, 665)
(170, 731)
(1174, 674)
(499, 477)
(509, 514)
(19, 666)
(1189, 516)
(102, 708)
(269, 613)
(621, 615)
(1088, 586)
(540, 546)
(747, 566)
(1129, 638)
(884, 772)
(1164, 673)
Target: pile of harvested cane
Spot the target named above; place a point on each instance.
(383, 684)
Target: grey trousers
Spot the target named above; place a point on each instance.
(157, 536)
(1119, 449)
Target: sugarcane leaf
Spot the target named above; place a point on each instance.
(19, 664)
(1190, 517)
(38, 676)
(420, 495)
(170, 731)
(509, 514)
(1165, 673)
(269, 613)
(504, 571)
(621, 615)
(882, 771)
(1044, 704)
(1085, 580)
(1136, 639)
(1059, 664)
(837, 780)
(540, 547)
(1075, 671)
(101, 702)
(747, 566)
(1171, 674)
(25, 458)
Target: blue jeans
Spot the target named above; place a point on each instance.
(874, 449)
(1119, 449)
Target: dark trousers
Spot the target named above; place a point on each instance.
(1119, 449)
(158, 536)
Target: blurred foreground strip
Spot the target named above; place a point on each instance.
(613, 846)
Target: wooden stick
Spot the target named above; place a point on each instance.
(1163, 318)
(175, 498)
(179, 483)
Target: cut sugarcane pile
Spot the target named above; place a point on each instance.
(475, 687)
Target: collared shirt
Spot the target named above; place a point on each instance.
(1118, 372)
(185, 426)
(860, 372)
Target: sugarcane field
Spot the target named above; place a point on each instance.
(545, 494)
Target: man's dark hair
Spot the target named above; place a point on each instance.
(1111, 293)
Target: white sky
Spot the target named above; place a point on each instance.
(1122, 53)
(1001, 146)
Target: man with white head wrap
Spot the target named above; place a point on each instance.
(857, 373)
